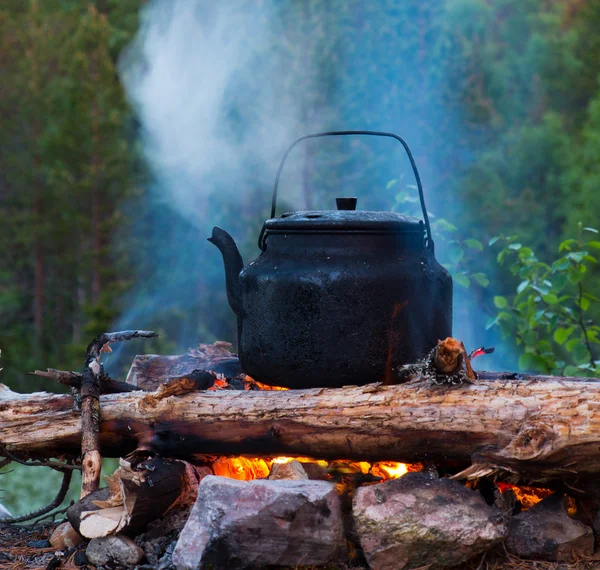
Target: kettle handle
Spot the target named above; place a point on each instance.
(261, 238)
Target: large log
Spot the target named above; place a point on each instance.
(541, 429)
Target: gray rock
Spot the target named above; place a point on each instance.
(418, 521)
(116, 551)
(292, 470)
(546, 532)
(244, 524)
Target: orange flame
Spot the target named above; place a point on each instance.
(246, 469)
(249, 468)
(527, 496)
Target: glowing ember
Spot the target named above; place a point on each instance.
(262, 386)
(527, 496)
(246, 469)
(389, 469)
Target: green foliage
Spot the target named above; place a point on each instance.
(499, 101)
(550, 315)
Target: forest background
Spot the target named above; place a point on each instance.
(129, 128)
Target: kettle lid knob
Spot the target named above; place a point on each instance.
(346, 203)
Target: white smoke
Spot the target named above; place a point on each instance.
(190, 59)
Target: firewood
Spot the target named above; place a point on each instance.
(547, 427)
(135, 496)
(149, 371)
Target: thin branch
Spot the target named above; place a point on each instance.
(584, 329)
(52, 464)
(60, 497)
(95, 348)
(66, 377)
(73, 379)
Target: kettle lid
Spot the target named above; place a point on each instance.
(344, 220)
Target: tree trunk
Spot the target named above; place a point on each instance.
(94, 172)
(542, 429)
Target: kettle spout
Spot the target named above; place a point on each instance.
(233, 265)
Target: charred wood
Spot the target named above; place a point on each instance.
(136, 495)
(537, 428)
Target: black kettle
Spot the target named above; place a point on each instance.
(337, 297)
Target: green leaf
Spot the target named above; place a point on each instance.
(526, 253)
(590, 259)
(561, 335)
(584, 304)
(500, 302)
(481, 278)
(530, 362)
(537, 317)
(515, 246)
(559, 282)
(576, 256)
(462, 280)
(550, 298)
(494, 240)
(444, 226)
(594, 244)
(567, 244)
(522, 286)
(580, 353)
(541, 289)
(474, 244)
(561, 264)
(593, 230)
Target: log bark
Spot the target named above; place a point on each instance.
(538, 428)
(91, 460)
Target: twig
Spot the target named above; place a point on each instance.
(65, 377)
(91, 459)
(62, 493)
(52, 464)
(73, 379)
(96, 347)
(584, 329)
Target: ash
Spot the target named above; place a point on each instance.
(425, 369)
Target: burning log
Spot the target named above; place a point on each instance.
(537, 428)
(134, 496)
(149, 371)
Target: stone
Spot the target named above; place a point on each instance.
(292, 471)
(419, 520)
(115, 551)
(546, 532)
(240, 524)
(65, 536)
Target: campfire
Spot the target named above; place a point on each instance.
(479, 454)
(352, 429)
